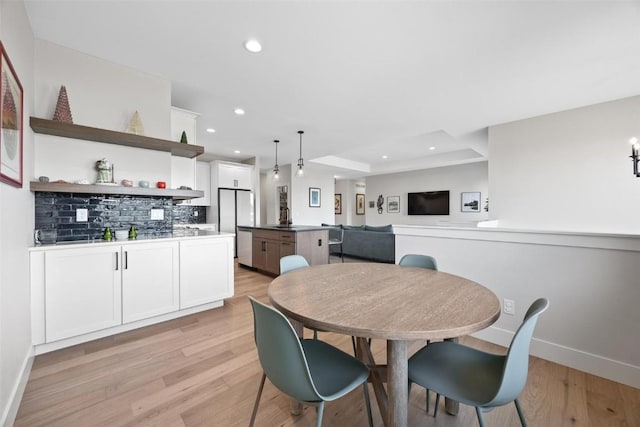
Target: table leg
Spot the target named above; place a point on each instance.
(295, 406)
(451, 406)
(397, 383)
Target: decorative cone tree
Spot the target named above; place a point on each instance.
(63, 111)
(183, 137)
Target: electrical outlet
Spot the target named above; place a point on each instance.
(157, 214)
(82, 215)
(509, 306)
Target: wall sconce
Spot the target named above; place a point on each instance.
(276, 169)
(635, 146)
(300, 171)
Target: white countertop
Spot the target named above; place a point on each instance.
(176, 235)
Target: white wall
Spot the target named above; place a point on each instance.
(16, 227)
(101, 93)
(107, 100)
(349, 188)
(590, 280)
(301, 213)
(567, 171)
(269, 198)
(456, 179)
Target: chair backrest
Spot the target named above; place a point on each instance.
(280, 353)
(421, 261)
(516, 366)
(292, 262)
(336, 235)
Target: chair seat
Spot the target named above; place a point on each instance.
(462, 373)
(334, 372)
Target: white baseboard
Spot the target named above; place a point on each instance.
(614, 370)
(68, 342)
(11, 409)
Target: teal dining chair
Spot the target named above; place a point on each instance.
(421, 261)
(292, 262)
(474, 377)
(310, 371)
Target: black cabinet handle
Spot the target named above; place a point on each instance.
(116, 261)
(126, 260)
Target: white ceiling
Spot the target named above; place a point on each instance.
(363, 79)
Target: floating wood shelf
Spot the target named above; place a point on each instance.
(58, 187)
(69, 130)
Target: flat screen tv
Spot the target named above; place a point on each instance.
(428, 203)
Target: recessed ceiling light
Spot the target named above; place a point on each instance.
(236, 151)
(211, 130)
(385, 157)
(239, 111)
(432, 148)
(253, 46)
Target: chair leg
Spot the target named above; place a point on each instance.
(520, 413)
(353, 343)
(320, 409)
(255, 407)
(367, 402)
(427, 402)
(480, 417)
(435, 409)
(341, 253)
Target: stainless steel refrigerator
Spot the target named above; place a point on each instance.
(235, 207)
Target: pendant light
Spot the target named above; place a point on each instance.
(300, 170)
(276, 169)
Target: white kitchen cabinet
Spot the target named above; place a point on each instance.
(87, 291)
(231, 175)
(206, 271)
(150, 284)
(183, 170)
(203, 183)
(83, 291)
(183, 120)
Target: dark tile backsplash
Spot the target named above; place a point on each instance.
(186, 214)
(58, 210)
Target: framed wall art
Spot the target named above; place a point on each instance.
(314, 197)
(337, 205)
(470, 202)
(359, 204)
(393, 204)
(11, 97)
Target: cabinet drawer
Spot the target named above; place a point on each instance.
(287, 236)
(266, 234)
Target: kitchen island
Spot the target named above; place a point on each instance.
(85, 290)
(269, 243)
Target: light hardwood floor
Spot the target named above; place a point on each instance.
(202, 370)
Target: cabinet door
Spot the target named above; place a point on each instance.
(203, 183)
(149, 280)
(206, 271)
(235, 176)
(259, 255)
(82, 291)
(273, 256)
(287, 248)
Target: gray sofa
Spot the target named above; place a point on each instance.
(368, 242)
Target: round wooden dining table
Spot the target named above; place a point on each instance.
(384, 301)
